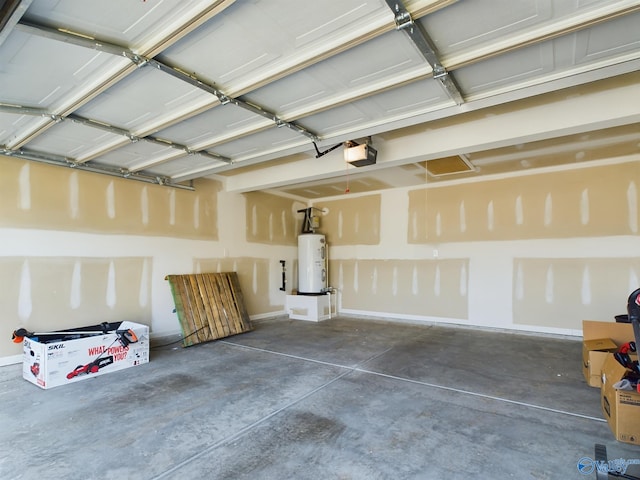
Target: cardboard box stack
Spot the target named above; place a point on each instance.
(599, 340)
(621, 408)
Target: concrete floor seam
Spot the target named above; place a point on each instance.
(240, 433)
(425, 384)
(288, 355)
(482, 395)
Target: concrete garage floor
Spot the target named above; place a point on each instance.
(341, 399)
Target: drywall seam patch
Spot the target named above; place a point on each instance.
(25, 187)
(254, 220)
(463, 218)
(632, 201)
(144, 205)
(75, 299)
(548, 292)
(111, 200)
(374, 281)
(548, 210)
(254, 276)
(584, 207)
(196, 212)
(283, 221)
(519, 211)
(490, 218)
(172, 207)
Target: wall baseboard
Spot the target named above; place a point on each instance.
(267, 316)
(432, 321)
(10, 360)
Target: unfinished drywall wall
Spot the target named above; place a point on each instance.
(584, 202)
(563, 291)
(272, 219)
(255, 276)
(53, 293)
(436, 288)
(352, 222)
(538, 252)
(78, 248)
(48, 197)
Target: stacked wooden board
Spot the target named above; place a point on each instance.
(209, 306)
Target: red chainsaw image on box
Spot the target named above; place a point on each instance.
(125, 337)
(92, 367)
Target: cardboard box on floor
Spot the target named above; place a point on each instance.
(599, 339)
(621, 408)
(60, 362)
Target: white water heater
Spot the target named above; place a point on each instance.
(312, 268)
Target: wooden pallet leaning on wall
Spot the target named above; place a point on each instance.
(209, 306)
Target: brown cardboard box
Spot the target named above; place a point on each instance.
(600, 338)
(621, 408)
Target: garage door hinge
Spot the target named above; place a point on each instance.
(403, 20)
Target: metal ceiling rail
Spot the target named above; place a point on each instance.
(62, 161)
(403, 21)
(225, 99)
(22, 110)
(420, 8)
(423, 7)
(179, 31)
(149, 138)
(272, 154)
(421, 40)
(141, 61)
